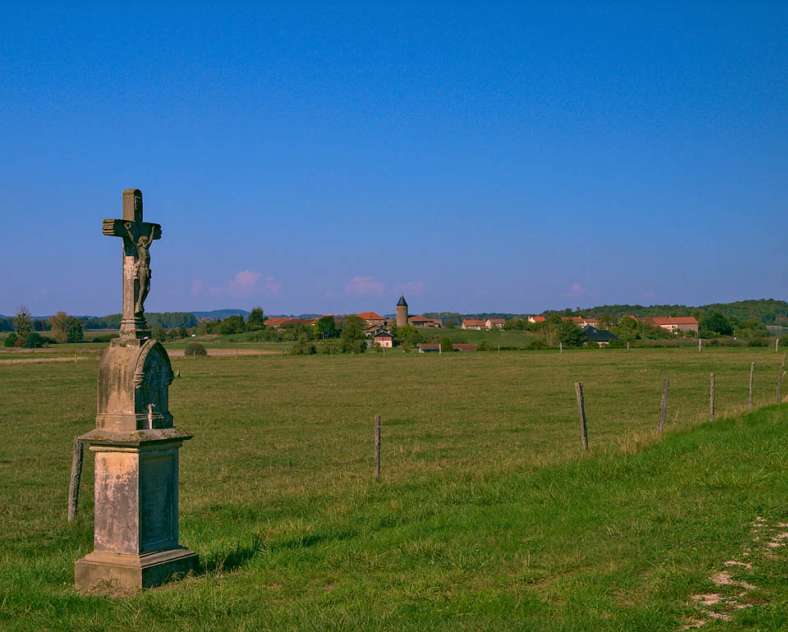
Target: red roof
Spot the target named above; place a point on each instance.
(538, 319)
(473, 322)
(464, 346)
(369, 316)
(279, 321)
(276, 321)
(674, 320)
(497, 320)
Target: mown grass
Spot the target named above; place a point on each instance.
(487, 518)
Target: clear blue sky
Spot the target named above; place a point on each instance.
(325, 158)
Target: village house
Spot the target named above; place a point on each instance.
(474, 323)
(423, 321)
(278, 322)
(382, 338)
(601, 337)
(536, 319)
(494, 323)
(674, 324)
(372, 319)
(429, 347)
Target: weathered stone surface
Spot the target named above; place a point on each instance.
(133, 386)
(136, 446)
(114, 574)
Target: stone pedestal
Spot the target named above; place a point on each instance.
(136, 450)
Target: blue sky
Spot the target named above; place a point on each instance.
(326, 157)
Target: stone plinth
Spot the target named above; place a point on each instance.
(136, 512)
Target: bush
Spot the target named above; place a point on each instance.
(303, 347)
(330, 347)
(195, 350)
(10, 340)
(536, 345)
(34, 341)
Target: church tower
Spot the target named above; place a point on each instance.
(402, 312)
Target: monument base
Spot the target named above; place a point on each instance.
(113, 573)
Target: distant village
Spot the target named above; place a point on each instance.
(380, 331)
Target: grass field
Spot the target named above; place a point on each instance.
(488, 516)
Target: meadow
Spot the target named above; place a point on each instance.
(488, 515)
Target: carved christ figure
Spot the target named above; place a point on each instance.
(142, 269)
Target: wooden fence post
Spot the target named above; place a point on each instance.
(712, 396)
(581, 411)
(663, 404)
(700, 343)
(749, 385)
(627, 345)
(560, 347)
(780, 376)
(76, 477)
(377, 447)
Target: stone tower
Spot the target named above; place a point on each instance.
(402, 312)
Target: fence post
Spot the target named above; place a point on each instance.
(627, 345)
(663, 404)
(712, 396)
(377, 447)
(700, 343)
(749, 386)
(560, 347)
(581, 411)
(780, 377)
(76, 477)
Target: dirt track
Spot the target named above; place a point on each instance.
(174, 353)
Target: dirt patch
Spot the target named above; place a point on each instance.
(227, 353)
(42, 360)
(734, 591)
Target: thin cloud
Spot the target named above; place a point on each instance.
(244, 284)
(364, 286)
(576, 290)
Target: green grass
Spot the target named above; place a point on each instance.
(488, 516)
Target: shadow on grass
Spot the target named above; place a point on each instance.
(313, 539)
(226, 561)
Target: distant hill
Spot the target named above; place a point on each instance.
(767, 311)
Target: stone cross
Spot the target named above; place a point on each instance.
(136, 443)
(138, 237)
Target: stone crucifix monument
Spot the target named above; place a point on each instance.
(135, 442)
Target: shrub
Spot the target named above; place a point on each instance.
(303, 347)
(330, 347)
(195, 350)
(536, 345)
(10, 340)
(34, 341)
